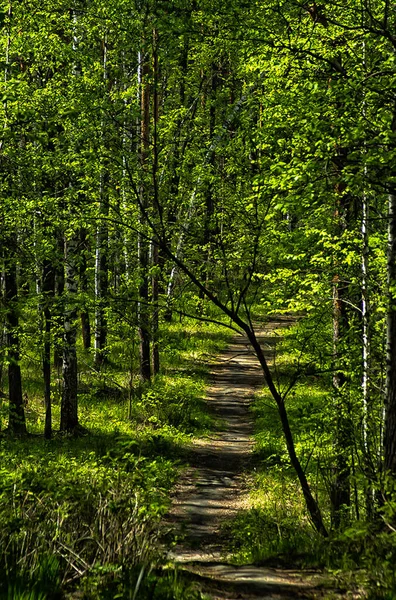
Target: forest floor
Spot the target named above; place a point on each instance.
(215, 487)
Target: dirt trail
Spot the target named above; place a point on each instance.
(213, 489)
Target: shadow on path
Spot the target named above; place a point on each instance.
(213, 488)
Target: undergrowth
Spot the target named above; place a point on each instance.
(83, 513)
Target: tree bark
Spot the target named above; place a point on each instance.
(16, 420)
(155, 259)
(370, 447)
(209, 202)
(3, 345)
(340, 490)
(155, 316)
(101, 283)
(310, 501)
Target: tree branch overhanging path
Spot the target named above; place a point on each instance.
(247, 327)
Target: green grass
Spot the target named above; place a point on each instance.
(84, 512)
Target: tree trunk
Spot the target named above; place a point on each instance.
(340, 492)
(370, 448)
(101, 283)
(155, 259)
(102, 249)
(310, 501)
(3, 345)
(390, 388)
(311, 504)
(69, 413)
(84, 314)
(209, 204)
(47, 289)
(175, 181)
(143, 245)
(57, 317)
(155, 316)
(16, 421)
(3, 335)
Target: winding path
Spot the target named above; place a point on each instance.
(213, 488)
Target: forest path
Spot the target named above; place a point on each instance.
(214, 487)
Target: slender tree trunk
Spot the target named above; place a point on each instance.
(340, 496)
(311, 504)
(102, 250)
(209, 203)
(143, 245)
(390, 382)
(47, 289)
(69, 412)
(3, 345)
(3, 335)
(310, 501)
(69, 403)
(154, 247)
(16, 420)
(58, 305)
(155, 316)
(84, 314)
(370, 451)
(390, 388)
(101, 283)
(370, 448)
(127, 149)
